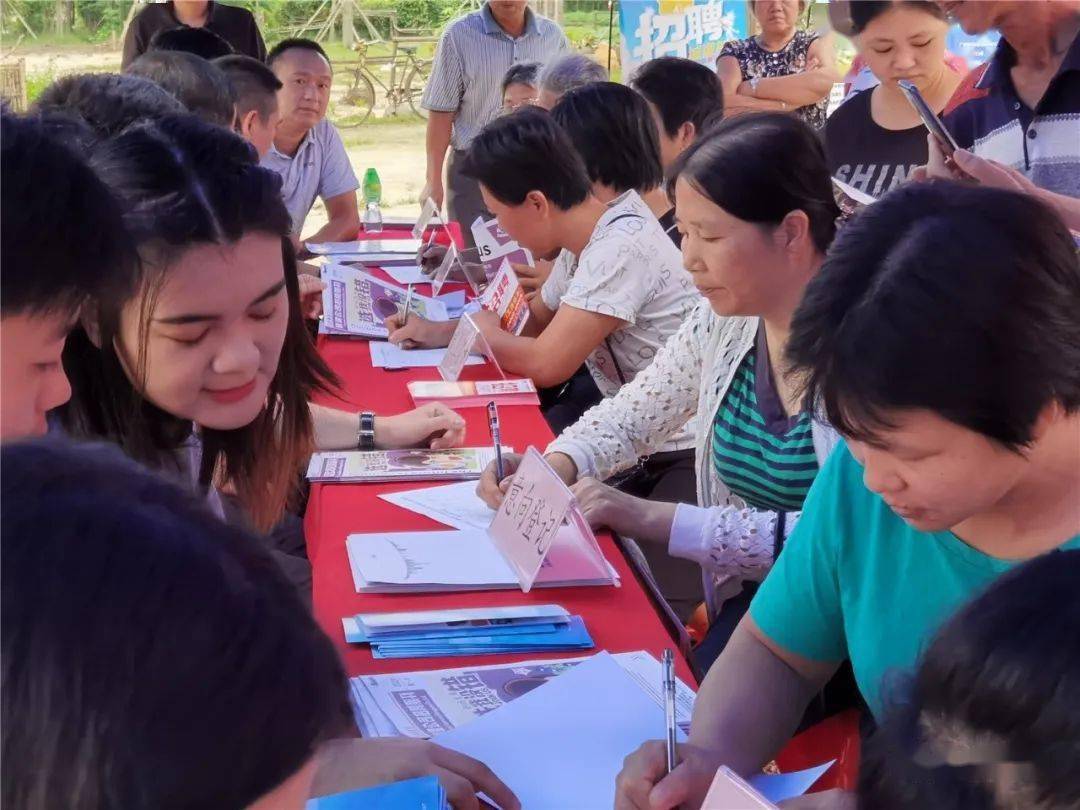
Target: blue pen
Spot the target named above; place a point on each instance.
(496, 437)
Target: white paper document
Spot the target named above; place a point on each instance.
(455, 505)
(407, 274)
(462, 560)
(423, 704)
(563, 744)
(386, 355)
(366, 247)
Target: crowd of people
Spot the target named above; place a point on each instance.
(830, 436)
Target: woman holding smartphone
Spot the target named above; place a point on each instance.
(876, 138)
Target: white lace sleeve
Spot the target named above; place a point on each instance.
(728, 542)
(639, 419)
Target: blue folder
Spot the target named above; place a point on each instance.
(424, 793)
(554, 638)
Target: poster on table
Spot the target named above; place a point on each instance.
(691, 29)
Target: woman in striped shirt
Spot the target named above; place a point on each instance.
(754, 204)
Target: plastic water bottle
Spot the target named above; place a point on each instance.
(372, 198)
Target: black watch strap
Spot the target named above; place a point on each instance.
(365, 437)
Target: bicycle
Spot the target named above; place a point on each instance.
(408, 77)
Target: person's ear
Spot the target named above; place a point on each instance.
(1052, 413)
(246, 123)
(537, 202)
(88, 320)
(794, 231)
(686, 135)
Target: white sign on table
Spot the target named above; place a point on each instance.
(428, 212)
(533, 512)
(461, 346)
(438, 278)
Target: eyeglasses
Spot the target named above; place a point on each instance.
(528, 102)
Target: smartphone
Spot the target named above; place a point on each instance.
(933, 123)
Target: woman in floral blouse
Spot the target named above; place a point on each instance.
(782, 68)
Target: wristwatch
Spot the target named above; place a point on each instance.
(365, 436)
(753, 85)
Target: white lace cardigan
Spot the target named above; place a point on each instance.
(689, 378)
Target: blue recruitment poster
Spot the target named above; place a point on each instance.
(692, 29)
(975, 48)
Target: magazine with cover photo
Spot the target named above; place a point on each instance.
(414, 464)
(358, 304)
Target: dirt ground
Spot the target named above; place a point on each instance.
(393, 145)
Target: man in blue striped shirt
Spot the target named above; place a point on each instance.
(465, 91)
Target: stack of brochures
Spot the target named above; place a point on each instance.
(462, 560)
(475, 631)
(423, 793)
(423, 704)
(356, 466)
(373, 251)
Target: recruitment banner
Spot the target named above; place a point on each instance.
(691, 29)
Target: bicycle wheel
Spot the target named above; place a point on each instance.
(415, 83)
(354, 107)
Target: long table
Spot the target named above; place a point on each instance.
(618, 619)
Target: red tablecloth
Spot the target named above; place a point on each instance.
(618, 619)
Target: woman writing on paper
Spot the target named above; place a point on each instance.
(206, 370)
(754, 204)
(618, 289)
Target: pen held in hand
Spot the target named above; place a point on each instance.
(496, 438)
(408, 305)
(668, 669)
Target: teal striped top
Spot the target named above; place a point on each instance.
(760, 453)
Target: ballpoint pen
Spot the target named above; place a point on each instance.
(408, 305)
(496, 437)
(668, 666)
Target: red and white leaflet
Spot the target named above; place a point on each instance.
(465, 394)
(506, 298)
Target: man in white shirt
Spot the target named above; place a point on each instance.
(464, 92)
(308, 152)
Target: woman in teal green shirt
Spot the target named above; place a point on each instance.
(942, 335)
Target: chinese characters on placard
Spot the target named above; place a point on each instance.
(535, 520)
(680, 33)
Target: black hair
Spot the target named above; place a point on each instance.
(62, 236)
(1004, 673)
(197, 41)
(527, 151)
(863, 12)
(958, 300)
(521, 73)
(183, 182)
(302, 44)
(614, 132)
(153, 655)
(253, 84)
(760, 167)
(202, 88)
(108, 102)
(682, 90)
